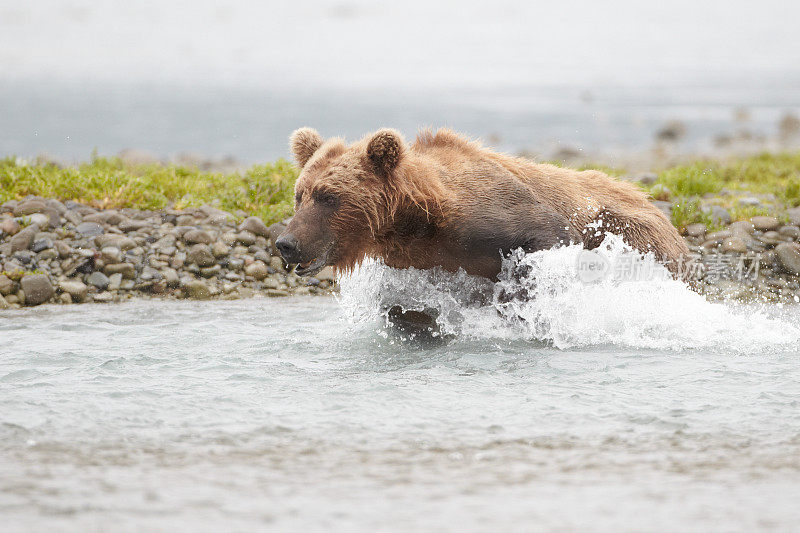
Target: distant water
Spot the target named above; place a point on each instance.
(70, 120)
(307, 414)
(236, 78)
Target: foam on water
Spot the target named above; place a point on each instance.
(552, 304)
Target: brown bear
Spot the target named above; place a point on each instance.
(449, 202)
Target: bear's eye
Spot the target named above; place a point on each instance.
(326, 199)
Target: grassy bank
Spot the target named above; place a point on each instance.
(263, 190)
(772, 179)
(266, 190)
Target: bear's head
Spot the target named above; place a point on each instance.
(345, 196)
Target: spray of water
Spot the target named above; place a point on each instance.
(541, 296)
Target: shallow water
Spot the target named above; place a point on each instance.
(304, 414)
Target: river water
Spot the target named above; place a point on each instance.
(634, 406)
(71, 120)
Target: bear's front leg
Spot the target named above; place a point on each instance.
(412, 321)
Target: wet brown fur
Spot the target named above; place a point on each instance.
(447, 201)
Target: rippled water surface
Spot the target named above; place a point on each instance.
(288, 414)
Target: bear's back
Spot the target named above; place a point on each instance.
(484, 181)
(469, 169)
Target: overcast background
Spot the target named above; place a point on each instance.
(236, 77)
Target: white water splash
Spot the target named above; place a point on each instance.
(373, 288)
(551, 304)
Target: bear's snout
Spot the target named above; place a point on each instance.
(288, 247)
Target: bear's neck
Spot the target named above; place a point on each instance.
(419, 239)
(414, 233)
(409, 230)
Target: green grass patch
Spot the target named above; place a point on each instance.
(688, 211)
(267, 190)
(693, 180)
(16, 275)
(763, 173)
(746, 212)
(778, 174)
(263, 190)
(791, 192)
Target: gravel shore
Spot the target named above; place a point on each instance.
(756, 259)
(54, 252)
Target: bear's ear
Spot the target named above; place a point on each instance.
(385, 150)
(304, 142)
